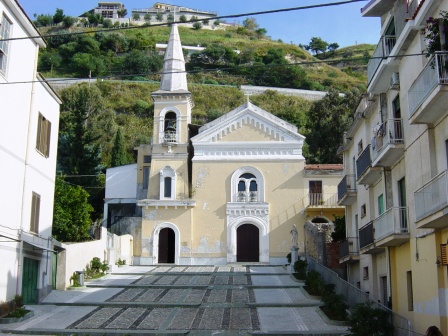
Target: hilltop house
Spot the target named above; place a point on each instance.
(228, 191)
(28, 147)
(395, 163)
(163, 13)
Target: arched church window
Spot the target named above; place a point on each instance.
(167, 183)
(247, 188)
(170, 127)
(167, 191)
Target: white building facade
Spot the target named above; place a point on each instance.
(395, 161)
(28, 147)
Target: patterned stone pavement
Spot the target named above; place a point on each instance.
(230, 299)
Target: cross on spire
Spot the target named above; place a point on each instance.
(248, 96)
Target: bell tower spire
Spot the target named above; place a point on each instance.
(174, 77)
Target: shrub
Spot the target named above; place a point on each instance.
(314, 283)
(288, 257)
(18, 301)
(367, 320)
(300, 267)
(335, 306)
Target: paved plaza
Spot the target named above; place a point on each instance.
(195, 300)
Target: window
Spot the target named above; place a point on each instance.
(43, 136)
(167, 192)
(365, 273)
(145, 177)
(380, 205)
(147, 159)
(247, 188)
(410, 291)
(169, 128)
(35, 211)
(363, 210)
(167, 183)
(5, 33)
(315, 192)
(360, 147)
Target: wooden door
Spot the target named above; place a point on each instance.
(247, 243)
(29, 280)
(166, 246)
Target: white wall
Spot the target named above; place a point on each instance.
(121, 182)
(78, 255)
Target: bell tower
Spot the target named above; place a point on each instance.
(172, 102)
(169, 173)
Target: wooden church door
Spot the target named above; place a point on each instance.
(247, 243)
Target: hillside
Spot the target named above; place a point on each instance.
(131, 54)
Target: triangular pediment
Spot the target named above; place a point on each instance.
(248, 123)
(248, 133)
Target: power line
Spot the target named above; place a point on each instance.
(353, 59)
(232, 16)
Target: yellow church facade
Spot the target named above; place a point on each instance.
(228, 191)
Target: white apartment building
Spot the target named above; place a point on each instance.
(28, 147)
(395, 161)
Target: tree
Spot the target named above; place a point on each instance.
(339, 229)
(250, 23)
(122, 12)
(58, 16)
(333, 46)
(79, 151)
(43, 20)
(159, 17)
(170, 18)
(197, 25)
(328, 119)
(317, 45)
(118, 151)
(107, 23)
(71, 214)
(68, 21)
(139, 63)
(147, 18)
(136, 17)
(193, 18)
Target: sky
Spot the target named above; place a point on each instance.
(341, 24)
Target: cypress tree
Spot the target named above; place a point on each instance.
(118, 151)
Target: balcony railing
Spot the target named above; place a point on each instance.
(170, 138)
(319, 199)
(432, 197)
(363, 162)
(383, 49)
(366, 235)
(245, 196)
(389, 133)
(347, 185)
(434, 74)
(349, 247)
(393, 221)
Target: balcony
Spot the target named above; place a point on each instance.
(170, 138)
(429, 92)
(319, 200)
(367, 240)
(377, 8)
(247, 197)
(431, 203)
(347, 190)
(367, 174)
(391, 228)
(388, 143)
(349, 251)
(379, 69)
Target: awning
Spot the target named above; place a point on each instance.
(38, 247)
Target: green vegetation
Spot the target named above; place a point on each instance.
(367, 320)
(71, 215)
(96, 268)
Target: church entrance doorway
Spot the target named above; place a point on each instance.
(247, 243)
(166, 246)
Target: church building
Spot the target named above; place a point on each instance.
(228, 191)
